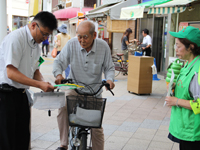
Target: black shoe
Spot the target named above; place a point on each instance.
(60, 148)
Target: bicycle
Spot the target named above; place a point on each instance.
(84, 112)
(120, 64)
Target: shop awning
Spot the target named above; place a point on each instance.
(175, 6)
(137, 11)
(112, 10)
(99, 11)
(68, 13)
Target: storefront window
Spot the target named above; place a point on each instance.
(19, 22)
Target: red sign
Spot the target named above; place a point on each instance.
(27, 1)
(182, 25)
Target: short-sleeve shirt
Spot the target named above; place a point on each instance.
(63, 40)
(124, 46)
(147, 40)
(20, 50)
(46, 42)
(86, 67)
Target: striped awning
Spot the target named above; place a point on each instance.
(137, 11)
(175, 6)
(167, 10)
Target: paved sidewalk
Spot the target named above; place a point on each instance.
(131, 122)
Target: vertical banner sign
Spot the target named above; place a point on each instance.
(80, 15)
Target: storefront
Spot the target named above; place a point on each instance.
(111, 27)
(171, 16)
(18, 22)
(157, 26)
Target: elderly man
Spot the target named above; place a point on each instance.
(89, 57)
(19, 69)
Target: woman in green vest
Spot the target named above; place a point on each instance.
(184, 123)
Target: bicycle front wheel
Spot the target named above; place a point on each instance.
(83, 145)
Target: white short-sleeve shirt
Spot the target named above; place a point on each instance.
(19, 49)
(147, 40)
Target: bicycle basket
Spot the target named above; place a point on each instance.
(85, 113)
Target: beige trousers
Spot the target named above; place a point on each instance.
(63, 125)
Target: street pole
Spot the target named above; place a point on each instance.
(3, 20)
(81, 5)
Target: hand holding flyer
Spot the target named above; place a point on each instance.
(170, 93)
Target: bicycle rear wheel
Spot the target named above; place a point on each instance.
(117, 66)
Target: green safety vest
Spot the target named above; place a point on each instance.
(184, 124)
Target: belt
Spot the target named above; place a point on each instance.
(7, 88)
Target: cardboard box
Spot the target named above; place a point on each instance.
(140, 74)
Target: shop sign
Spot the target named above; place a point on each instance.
(80, 15)
(182, 25)
(27, 1)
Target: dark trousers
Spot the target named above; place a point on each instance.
(147, 51)
(188, 145)
(47, 48)
(14, 121)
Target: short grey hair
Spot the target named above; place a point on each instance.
(90, 24)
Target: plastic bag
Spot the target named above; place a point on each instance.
(54, 52)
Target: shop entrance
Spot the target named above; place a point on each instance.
(157, 41)
(157, 27)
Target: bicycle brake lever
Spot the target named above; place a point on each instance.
(107, 85)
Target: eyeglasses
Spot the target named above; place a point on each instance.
(44, 35)
(82, 36)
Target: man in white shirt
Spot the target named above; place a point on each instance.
(147, 42)
(19, 69)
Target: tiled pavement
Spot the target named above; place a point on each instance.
(131, 122)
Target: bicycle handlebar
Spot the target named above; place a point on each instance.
(104, 83)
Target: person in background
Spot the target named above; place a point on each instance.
(146, 43)
(8, 30)
(19, 63)
(55, 38)
(184, 124)
(125, 42)
(45, 43)
(62, 39)
(89, 58)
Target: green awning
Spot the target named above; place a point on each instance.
(175, 6)
(136, 11)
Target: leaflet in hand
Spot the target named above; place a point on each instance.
(68, 86)
(170, 93)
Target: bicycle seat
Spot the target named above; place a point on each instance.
(120, 54)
